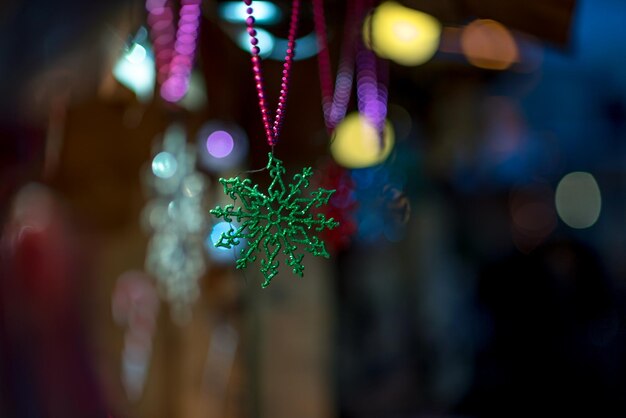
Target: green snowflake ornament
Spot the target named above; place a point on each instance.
(277, 220)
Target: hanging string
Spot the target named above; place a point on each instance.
(371, 72)
(273, 126)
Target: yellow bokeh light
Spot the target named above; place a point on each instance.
(356, 143)
(406, 36)
(488, 44)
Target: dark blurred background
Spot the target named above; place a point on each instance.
(479, 269)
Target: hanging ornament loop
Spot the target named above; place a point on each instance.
(273, 125)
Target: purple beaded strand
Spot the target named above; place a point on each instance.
(272, 128)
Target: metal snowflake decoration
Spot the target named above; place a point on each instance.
(277, 220)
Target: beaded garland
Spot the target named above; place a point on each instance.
(272, 128)
(371, 73)
(335, 102)
(357, 63)
(174, 46)
(281, 218)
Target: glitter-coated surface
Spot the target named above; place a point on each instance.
(280, 219)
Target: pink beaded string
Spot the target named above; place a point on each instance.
(174, 47)
(335, 103)
(273, 127)
(371, 73)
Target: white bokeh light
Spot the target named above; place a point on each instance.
(578, 200)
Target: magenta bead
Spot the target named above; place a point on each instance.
(272, 127)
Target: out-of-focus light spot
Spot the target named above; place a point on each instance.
(220, 144)
(265, 12)
(357, 143)
(578, 200)
(488, 44)
(135, 70)
(307, 48)
(266, 42)
(136, 54)
(135, 305)
(173, 210)
(32, 208)
(154, 215)
(164, 165)
(221, 253)
(142, 35)
(404, 35)
(174, 89)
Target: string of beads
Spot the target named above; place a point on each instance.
(272, 127)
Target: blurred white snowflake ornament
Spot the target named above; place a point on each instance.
(175, 254)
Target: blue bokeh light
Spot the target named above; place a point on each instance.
(164, 165)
